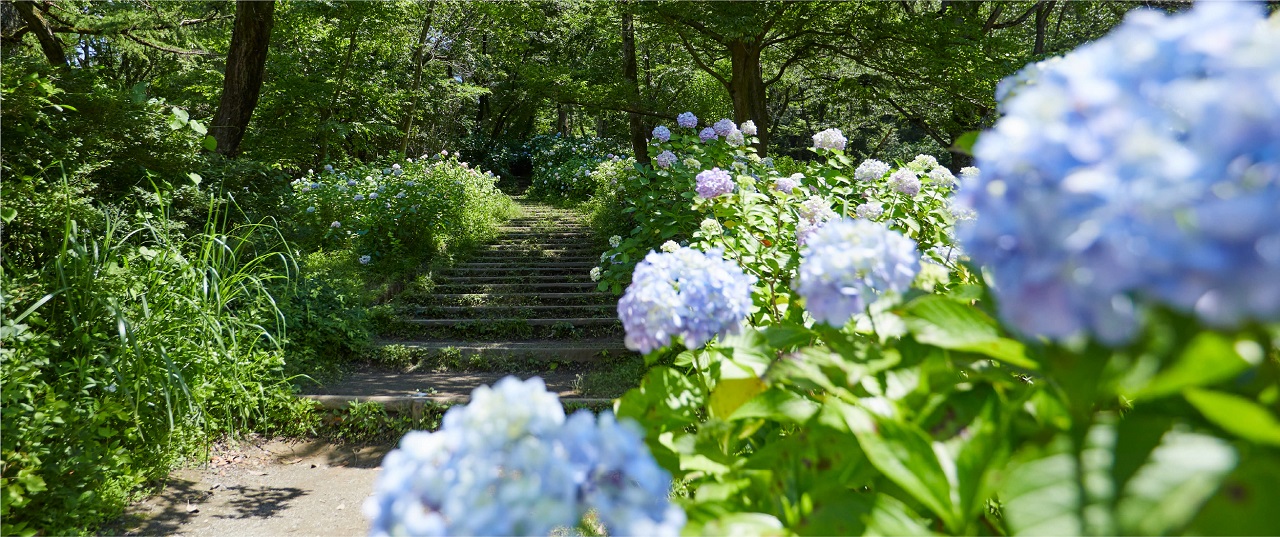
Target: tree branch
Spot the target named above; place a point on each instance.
(1019, 19)
(163, 48)
(698, 59)
(800, 54)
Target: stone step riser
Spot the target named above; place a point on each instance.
(580, 322)
(499, 312)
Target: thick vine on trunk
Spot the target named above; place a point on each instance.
(246, 62)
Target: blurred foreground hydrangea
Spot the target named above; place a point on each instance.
(847, 264)
(688, 293)
(509, 463)
(1143, 167)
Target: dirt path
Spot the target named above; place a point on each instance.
(263, 487)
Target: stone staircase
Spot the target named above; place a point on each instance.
(522, 305)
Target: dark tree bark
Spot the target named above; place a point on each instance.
(246, 62)
(747, 89)
(419, 59)
(1043, 10)
(49, 43)
(630, 74)
(562, 120)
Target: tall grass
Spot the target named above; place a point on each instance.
(123, 353)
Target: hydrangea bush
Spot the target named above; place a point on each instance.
(368, 208)
(564, 169)
(1108, 352)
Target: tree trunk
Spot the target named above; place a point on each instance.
(1042, 25)
(630, 76)
(562, 120)
(747, 90)
(419, 58)
(327, 114)
(49, 43)
(246, 62)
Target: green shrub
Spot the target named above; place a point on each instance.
(126, 350)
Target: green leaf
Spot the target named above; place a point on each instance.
(945, 323)
(1237, 415)
(209, 143)
(847, 512)
(743, 524)
(904, 454)
(180, 114)
(175, 123)
(1208, 359)
(779, 405)
(1179, 477)
(195, 177)
(7, 214)
(1245, 503)
(730, 394)
(198, 127)
(964, 144)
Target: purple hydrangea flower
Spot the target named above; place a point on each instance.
(661, 133)
(788, 184)
(870, 210)
(724, 127)
(714, 182)
(847, 264)
(829, 139)
(1143, 165)
(665, 159)
(707, 134)
(687, 120)
(687, 293)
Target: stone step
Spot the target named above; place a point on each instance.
(533, 257)
(520, 299)
(562, 249)
(575, 321)
(551, 265)
(498, 288)
(580, 350)
(518, 278)
(545, 235)
(510, 311)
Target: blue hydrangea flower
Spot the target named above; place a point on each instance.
(687, 120)
(509, 463)
(723, 127)
(870, 170)
(829, 139)
(335, 224)
(687, 293)
(714, 182)
(749, 128)
(707, 134)
(665, 159)
(1142, 166)
(311, 210)
(364, 259)
(661, 133)
(905, 181)
(847, 264)
(788, 184)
